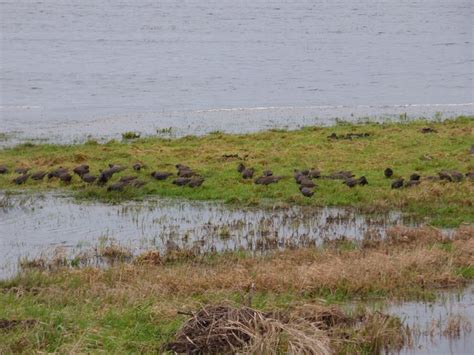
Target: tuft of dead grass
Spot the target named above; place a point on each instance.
(305, 329)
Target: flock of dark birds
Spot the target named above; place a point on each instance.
(187, 177)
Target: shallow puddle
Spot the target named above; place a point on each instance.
(34, 224)
(441, 327)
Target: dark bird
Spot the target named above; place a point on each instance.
(88, 178)
(306, 191)
(267, 173)
(341, 175)
(39, 175)
(411, 183)
(444, 175)
(388, 173)
(21, 179)
(181, 181)
(240, 167)
(428, 130)
(415, 177)
(128, 178)
(362, 181)
(137, 166)
(305, 172)
(351, 182)
(398, 183)
(182, 167)
(107, 174)
(81, 170)
(104, 177)
(306, 182)
(456, 176)
(57, 172)
(186, 173)
(158, 175)
(196, 181)
(118, 186)
(22, 170)
(315, 174)
(66, 177)
(115, 168)
(3, 169)
(267, 180)
(248, 173)
(137, 183)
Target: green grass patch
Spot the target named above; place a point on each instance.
(401, 146)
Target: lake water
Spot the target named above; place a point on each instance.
(73, 68)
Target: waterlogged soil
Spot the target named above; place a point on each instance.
(35, 225)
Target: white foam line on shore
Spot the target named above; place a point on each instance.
(331, 107)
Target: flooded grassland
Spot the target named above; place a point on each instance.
(421, 148)
(306, 299)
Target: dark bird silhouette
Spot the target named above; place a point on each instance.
(306, 182)
(81, 170)
(398, 183)
(267, 180)
(444, 175)
(456, 176)
(306, 191)
(428, 130)
(362, 181)
(137, 166)
(22, 170)
(181, 181)
(388, 173)
(3, 169)
(158, 175)
(267, 173)
(118, 186)
(38, 175)
(136, 183)
(196, 181)
(128, 178)
(351, 182)
(57, 172)
(341, 175)
(411, 183)
(115, 168)
(182, 167)
(315, 174)
(248, 173)
(21, 179)
(240, 167)
(66, 177)
(88, 178)
(415, 177)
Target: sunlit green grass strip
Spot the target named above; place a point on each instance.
(399, 145)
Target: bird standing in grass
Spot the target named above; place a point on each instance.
(388, 173)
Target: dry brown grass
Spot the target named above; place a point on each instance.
(306, 329)
(408, 260)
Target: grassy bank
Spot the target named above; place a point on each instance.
(139, 306)
(401, 146)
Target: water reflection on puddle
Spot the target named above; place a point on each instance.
(435, 325)
(33, 224)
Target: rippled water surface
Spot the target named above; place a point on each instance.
(73, 68)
